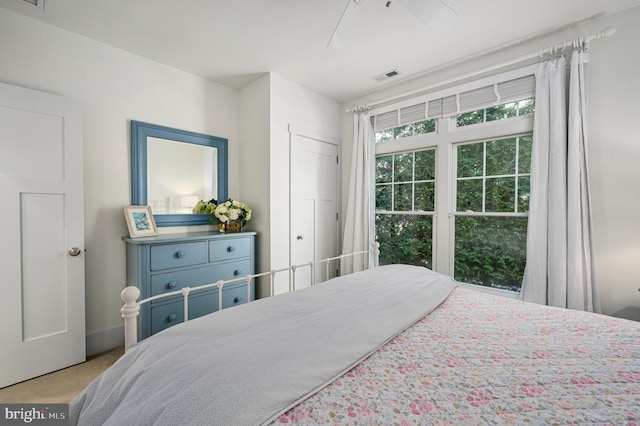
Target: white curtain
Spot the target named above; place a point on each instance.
(559, 268)
(359, 221)
(581, 290)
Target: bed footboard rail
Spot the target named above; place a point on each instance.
(131, 308)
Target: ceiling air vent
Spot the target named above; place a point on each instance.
(386, 75)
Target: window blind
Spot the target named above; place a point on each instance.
(458, 103)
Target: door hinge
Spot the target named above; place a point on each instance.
(337, 217)
(337, 159)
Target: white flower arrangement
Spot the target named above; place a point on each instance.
(230, 210)
(205, 207)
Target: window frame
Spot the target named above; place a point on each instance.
(444, 140)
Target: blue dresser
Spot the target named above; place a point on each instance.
(169, 262)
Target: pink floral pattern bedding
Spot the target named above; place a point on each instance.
(483, 359)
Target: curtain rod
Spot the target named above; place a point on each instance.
(559, 47)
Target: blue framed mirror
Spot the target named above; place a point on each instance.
(172, 169)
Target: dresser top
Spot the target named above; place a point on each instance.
(184, 236)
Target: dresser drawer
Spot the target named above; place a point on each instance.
(227, 249)
(231, 270)
(178, 255)
(165, 316)
(234, 296)
(173, 281)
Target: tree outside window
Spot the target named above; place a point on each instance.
(405, 200)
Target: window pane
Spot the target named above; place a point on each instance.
(403, 168)
(425, 195)
(384, 135)
(466, 119)
(523, 194)
(404, 131)
(524, 154)
(511, 110)
(470, 160)
(427, 126)
(496, 113)
(412, 129)
(490, 251)
(383, 197)
(405, 239)
(469, 195)
(501, 157)
(526, 106)
(402, 194)
(501, 193)
(383, 169)
(425, 162)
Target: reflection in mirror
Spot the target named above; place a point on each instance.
(179, 175)
(172, 169)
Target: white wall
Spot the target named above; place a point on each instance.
(254, 166)
(113, 87)
(615, 163)
(614, 146)
(273, 103)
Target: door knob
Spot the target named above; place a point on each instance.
(300, 237)
(74, 251)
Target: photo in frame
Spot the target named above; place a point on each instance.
(140, 221)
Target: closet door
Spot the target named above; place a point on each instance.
(314, 203)
(42, 228)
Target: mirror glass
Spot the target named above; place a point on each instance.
(179, 175)
(172, 169)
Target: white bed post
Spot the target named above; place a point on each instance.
(273, 282)
(130, 312)
(376, 254)
(292, 282)
(220, 284)
(185, 295)
(327, 263)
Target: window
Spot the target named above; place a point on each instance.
(419, 128)
(492, 199)
(405, 200)
(455, 196)
(499, 112)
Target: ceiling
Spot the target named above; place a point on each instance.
(234, 42)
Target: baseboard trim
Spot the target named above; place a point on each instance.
(105, 340)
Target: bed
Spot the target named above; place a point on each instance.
(395, 344)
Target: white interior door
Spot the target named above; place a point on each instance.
(314, 203)
(42, 228)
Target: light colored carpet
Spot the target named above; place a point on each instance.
(61, 386)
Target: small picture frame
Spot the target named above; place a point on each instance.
(140, 221)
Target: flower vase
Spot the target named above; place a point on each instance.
(231, 226)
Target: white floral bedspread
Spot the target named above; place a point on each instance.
(482, 359)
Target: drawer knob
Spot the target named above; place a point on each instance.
(231, 249)
(172, 317)
(172, 284)
(180, 254)
(237, 272)
(237, 299)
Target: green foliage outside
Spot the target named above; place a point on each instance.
(419, 128)
(490, 251)
(405, 238)
(499, 112)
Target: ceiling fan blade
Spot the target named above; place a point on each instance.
(344, 23)
(435, 14)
